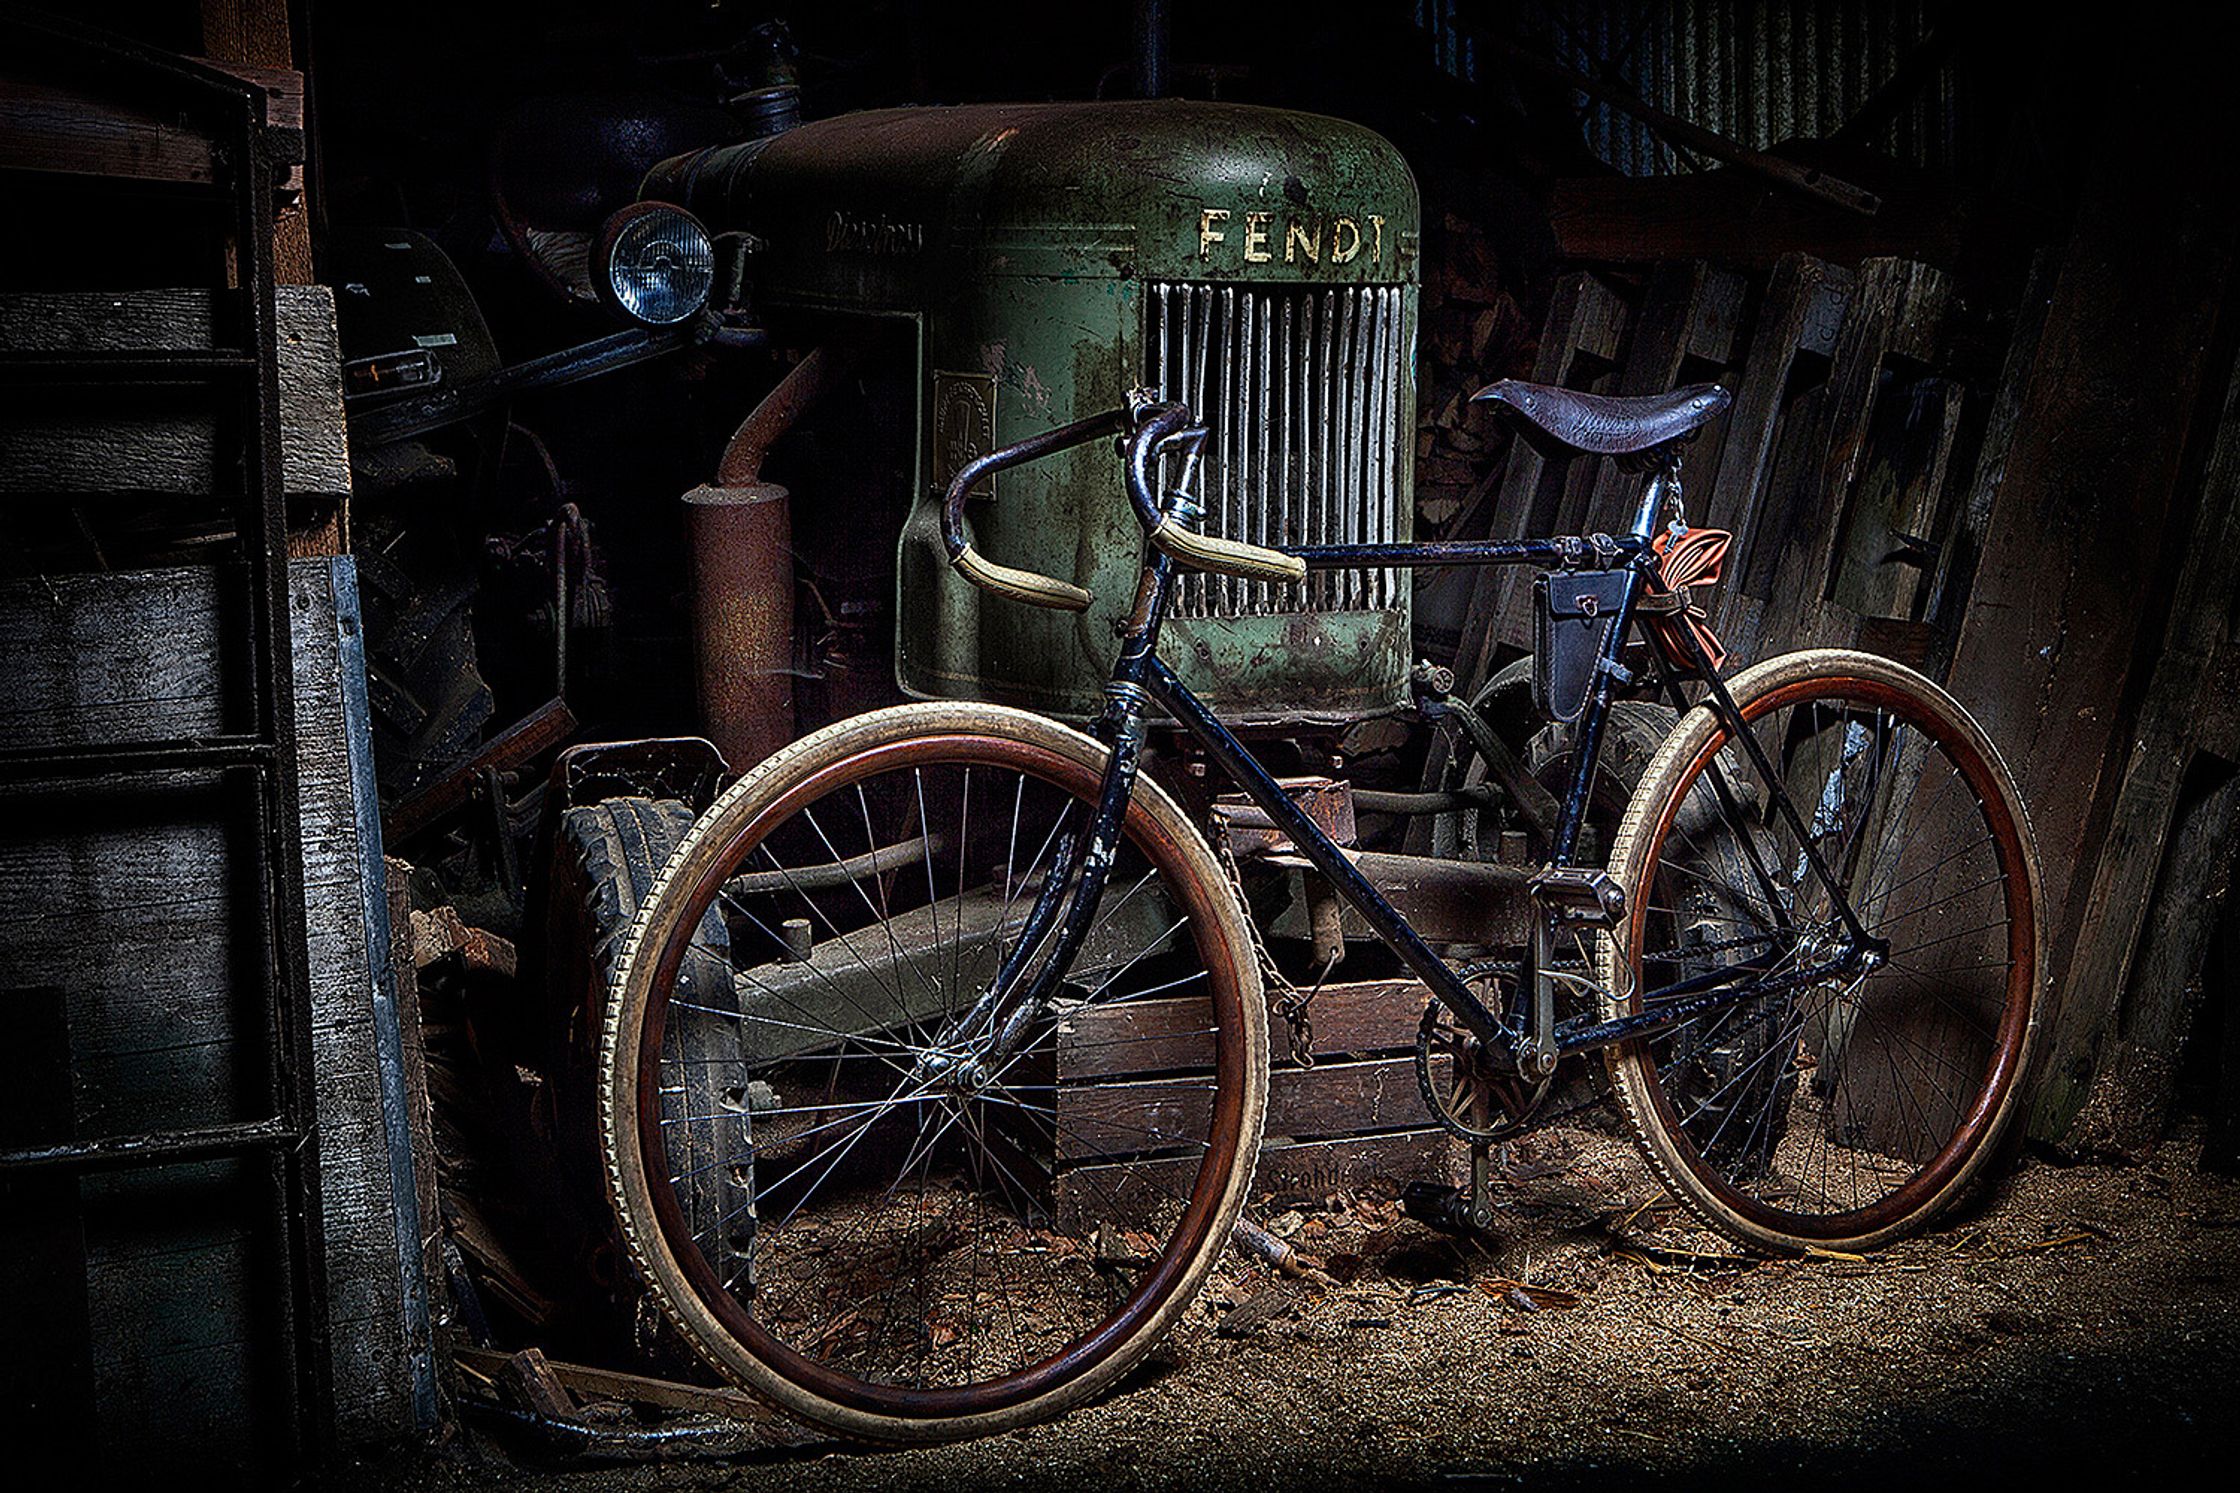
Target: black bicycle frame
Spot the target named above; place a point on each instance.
(1082, 863)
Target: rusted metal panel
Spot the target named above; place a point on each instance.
(1759, 73)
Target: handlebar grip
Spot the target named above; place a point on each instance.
(1004, 580)
(1226, 556)
(1028, 586)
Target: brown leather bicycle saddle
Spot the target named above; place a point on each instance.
(1604, 424)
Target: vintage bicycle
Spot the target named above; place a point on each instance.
(933, 1072)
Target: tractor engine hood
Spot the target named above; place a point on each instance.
(888, 208)
(1260, 265)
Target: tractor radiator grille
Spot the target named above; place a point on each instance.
(1301, 391)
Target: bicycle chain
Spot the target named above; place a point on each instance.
(1285, 999)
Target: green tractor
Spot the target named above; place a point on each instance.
(959, 278)
(1036, 261)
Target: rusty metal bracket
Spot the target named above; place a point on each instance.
(685, 768)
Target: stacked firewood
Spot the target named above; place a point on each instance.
(1473, 332)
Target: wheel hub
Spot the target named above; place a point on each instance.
(962, 1072)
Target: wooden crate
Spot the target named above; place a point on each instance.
(1354, 1119)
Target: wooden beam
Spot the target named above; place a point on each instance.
(2165, 863)
(71, 131)
(51, 127)
(1779, 395)
(405, 970)
(526, 1379)
(1355, 1117)
(869, 980)
(2073, 565)
(1352, 1019)
(1962, 544)
(1728, 217)
(2130, 1105)
(1289, 1169)
(251, 39)
(588, 1380)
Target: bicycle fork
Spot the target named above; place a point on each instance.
(1015, 1000)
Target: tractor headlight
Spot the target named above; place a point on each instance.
(655, 265)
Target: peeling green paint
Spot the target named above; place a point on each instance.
(1022, 236)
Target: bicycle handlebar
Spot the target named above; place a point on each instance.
(1005, 580)
(1150, 428)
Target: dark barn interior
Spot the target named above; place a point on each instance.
(447, 447)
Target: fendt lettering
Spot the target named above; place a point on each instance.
(1302, 238)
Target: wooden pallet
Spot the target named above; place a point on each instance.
(1778, 399)
(1580, 348)
(1848, 534)
(1688, 331)
(2043, 553)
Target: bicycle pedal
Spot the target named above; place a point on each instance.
(1438, 1205)
(1580, 895)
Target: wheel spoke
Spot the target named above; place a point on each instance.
(891, 1198)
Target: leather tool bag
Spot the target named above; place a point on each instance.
(1692, 557)
(1573, 614)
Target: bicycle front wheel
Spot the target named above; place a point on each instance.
(924, 1236)
(1849, 1109)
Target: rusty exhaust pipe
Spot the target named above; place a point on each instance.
(740, 535)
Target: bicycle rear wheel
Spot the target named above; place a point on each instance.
(1846, 1111)
(929, 1238)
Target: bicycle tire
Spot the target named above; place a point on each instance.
(1868, 728)
(845, 1384)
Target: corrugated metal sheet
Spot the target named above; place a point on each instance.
(1757, 71)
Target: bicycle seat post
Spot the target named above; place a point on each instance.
(1663, 484)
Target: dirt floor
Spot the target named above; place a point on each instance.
(2079, 1321)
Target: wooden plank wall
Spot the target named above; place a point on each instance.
(126, 932)
(2073, 580)
(168, 448)
(1832, 470)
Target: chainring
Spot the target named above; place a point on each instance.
(1467, 1096)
